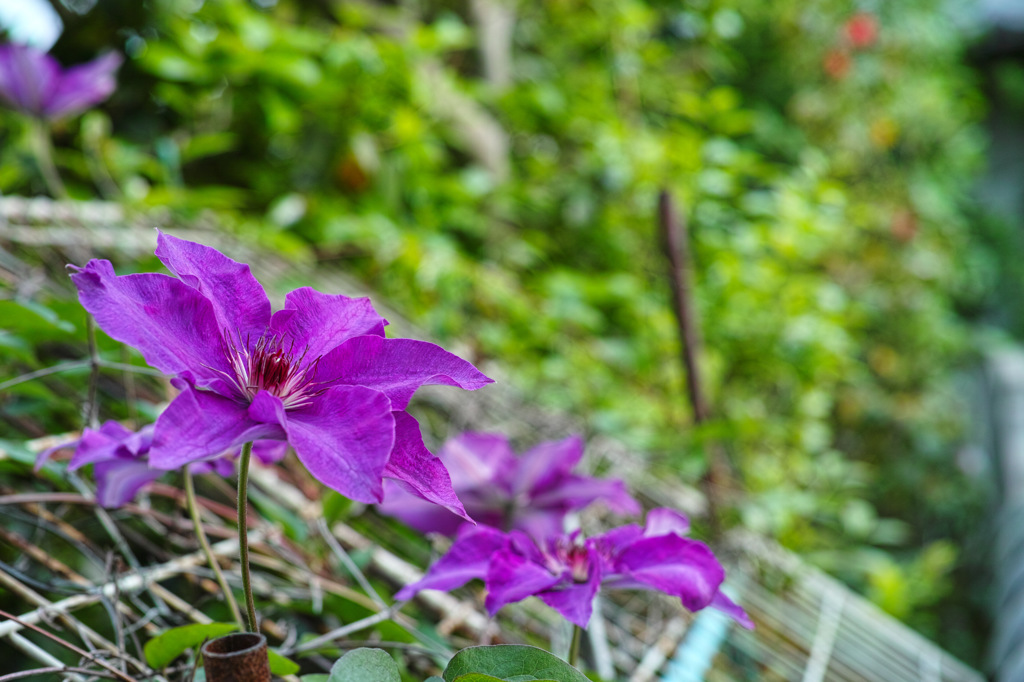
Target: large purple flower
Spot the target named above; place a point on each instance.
(319, 373)
(532, 492)
(32, 82)
(121, 460)
(566, 571)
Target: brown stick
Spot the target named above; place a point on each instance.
(675, 242)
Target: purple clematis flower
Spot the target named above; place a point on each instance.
(532, 492)
(33, 83)
(319, 373)
(121, 460)
(566, 571)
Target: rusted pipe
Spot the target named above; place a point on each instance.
(239, 657)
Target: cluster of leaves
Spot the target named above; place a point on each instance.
(827, 208)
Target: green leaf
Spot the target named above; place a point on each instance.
(279, 665)
(365, 665)
(510, 662)
(167, 646)
(318, 677)
(480, 677)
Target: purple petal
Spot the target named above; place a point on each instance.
(721, 602)
(416, 512)
(525, 546)
(417, 470)
(318, 323)
(478, 460)
(222, 466)
(200, 425)
(269, 451)
(619, 538)
(575, 601)
(83, 86)
(469, 558)
(118, 480)
(512, 577)
(44, 456)
(397, 367)
(663, 521)
(677, 566)
(173, 325)
(544, 466)
(27, 75)
(538, 523)
(576, 492)
(344, 438)
(110, 441)
(238, 300)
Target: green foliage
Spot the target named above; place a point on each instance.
(365, 665)
(513, 663)
(500, 663)
(167, 646)
(279, 665)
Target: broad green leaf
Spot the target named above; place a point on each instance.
(167, 646)
(279, 665)
(365, 665)
(511, 662)
(480, 677)
(317, 677)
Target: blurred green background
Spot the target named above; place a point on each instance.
(492, 169)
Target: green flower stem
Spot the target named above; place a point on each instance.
(574, 647)
(243, 535)
(42, 146)
(193, 511)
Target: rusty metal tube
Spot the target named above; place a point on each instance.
(239, 657)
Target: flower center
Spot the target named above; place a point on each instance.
(271, 367)
(575, 556)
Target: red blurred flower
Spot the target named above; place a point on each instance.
(862, 29)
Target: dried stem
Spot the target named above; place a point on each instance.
(66, 670)
(68, 645)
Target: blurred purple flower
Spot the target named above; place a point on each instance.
(566, 571)
(532, 492)
(319, 373)
(121, 460)
(32, 82)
